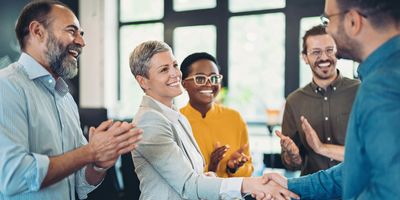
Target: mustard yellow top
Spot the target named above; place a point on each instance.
(223, 125)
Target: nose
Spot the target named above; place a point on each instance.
(176, 72)
(208, 81)
(79, 40)
(324, 55)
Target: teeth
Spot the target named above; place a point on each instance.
(74, 53)
(325, 64)
(174, 84)
(206, 91)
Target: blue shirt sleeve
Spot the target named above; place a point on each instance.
(83, 188)
(372, 166)
(20, 170)
(325, 184)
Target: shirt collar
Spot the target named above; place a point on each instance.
(380, 54)
(35, 70)
(334, 85)
(197, 114)
(171, 114)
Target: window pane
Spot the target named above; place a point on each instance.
(138, 10)
(346, 67)
(256, 64)
(249, 5)
(4, 61)
(182, 5)
(131, 36)
(191, 39)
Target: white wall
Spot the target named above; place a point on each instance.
(98, 61)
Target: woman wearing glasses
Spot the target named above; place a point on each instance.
(220, 132)
(168, 161)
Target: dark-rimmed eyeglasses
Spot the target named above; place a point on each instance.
(200, 79)
(325, 18)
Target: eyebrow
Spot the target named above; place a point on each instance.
(76, 29)
(163, 65)
(325, 47)
(202, 73)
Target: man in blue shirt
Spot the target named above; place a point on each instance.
(43, 154)
(367, 32)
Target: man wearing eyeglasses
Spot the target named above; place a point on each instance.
(315, 116)
(220, 132)
(367, 32)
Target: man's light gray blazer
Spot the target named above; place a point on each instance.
(164, 169)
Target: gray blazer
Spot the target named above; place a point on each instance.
(164, 169)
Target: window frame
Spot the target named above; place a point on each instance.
(219, 17)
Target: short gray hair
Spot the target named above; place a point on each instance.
(140, 57)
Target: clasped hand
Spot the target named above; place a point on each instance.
(268, 187)
(110, 140)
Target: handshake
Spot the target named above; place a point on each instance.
(270, 186)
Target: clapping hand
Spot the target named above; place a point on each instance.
(216, 156)
(238, 158)
(110, 140)
(290, 148)
(311, 136)
(287, 144)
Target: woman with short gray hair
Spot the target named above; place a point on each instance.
(168, 161)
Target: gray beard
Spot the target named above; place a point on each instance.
(60, 64)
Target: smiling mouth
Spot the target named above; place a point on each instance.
(324, 64)
(74, 54)
(174, 84)
(206, 92)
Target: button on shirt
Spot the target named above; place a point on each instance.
(38, 119)
(371, 164)
(327, 111)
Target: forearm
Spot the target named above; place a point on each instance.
(291, 161)
(332, 151)
(325, 184)
(67, 164)
(15, 166)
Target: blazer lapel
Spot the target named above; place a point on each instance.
(148, 102)
(190, 135)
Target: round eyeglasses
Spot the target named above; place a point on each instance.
(316, 53)
(201, 79)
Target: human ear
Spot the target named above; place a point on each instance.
(304, 56)
(37, 31)
(184, 84)
(354, 23)
(143, 82)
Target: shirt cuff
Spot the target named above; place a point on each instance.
(304, 186)
(35, 177)
(231, 188)
(83, 188)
